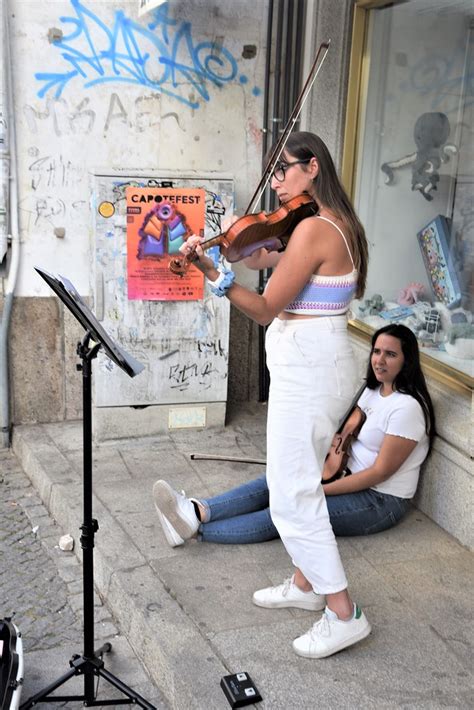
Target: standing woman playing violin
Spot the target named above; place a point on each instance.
(312, 375)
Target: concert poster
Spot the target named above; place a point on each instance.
(159, 220)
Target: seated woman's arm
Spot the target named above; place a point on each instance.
(393, 453)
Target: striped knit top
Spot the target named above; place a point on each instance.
(326, 295)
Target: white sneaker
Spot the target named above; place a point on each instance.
(288, 595)
(172, 537)
(330, 635)
(177, 509)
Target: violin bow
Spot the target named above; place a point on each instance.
(280, 146)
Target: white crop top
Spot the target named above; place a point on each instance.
(326, 295)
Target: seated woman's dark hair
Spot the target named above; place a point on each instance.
(410, 380)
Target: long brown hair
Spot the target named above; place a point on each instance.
(410, 380)
(330, 193)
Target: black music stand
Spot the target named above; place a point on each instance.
(90, 663)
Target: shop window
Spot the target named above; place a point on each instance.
(411, 172)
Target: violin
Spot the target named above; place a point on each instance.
(335, 465)
(269, 231)
(255, 231)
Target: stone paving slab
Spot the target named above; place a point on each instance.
(187, 611)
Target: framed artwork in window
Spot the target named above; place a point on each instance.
(434, 242)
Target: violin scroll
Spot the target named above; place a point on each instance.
(338, 456)
(179, 266)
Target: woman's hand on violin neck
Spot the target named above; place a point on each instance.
(192, 243)
(191, 246)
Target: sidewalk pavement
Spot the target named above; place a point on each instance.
(187, 612)
(41, 589)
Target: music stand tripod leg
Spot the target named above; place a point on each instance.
(89, 665)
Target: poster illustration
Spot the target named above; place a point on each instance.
(159, 220)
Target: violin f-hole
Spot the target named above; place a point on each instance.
(337, 444)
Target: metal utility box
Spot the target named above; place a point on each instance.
(183, 344)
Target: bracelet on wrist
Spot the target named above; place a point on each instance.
(222, 284)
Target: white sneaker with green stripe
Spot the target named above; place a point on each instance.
(330, 635)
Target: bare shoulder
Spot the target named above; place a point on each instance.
(319, 232)
(320, 243)
(308, 228)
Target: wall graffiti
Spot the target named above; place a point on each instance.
(80, 119)
(212, 346)
(162, 56)
(53, 172)
(180, 375)
(442, 78)
(144, 114)
(215, 210)
(48, 210)
(65, 120)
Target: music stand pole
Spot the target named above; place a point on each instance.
(90, 664)
(89, 525)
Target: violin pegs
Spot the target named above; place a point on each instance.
(177, 267)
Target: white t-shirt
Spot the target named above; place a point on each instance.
(399, 415)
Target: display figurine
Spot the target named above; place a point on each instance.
(411, 294)
(432, 321)
(372, 306)
(426, 324)
(431, 134)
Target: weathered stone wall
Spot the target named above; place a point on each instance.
(174, 90)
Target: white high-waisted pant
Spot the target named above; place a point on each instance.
(312, 381)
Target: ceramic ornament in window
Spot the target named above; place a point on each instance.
(431, 134)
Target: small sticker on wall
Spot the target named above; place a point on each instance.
(106, 209)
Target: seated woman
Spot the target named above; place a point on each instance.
(384, 460)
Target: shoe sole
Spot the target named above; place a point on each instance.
(307, 606)
(165, 502)
(172, 541)
(363, 633)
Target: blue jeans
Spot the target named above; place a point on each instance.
(242, 515)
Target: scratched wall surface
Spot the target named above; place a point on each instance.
(183, 345)
(96, 87)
